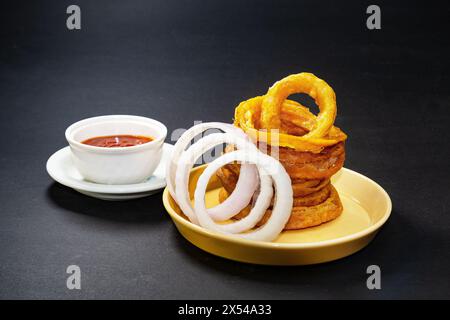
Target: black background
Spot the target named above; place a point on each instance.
(181, 61)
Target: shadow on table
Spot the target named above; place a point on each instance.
(148, 210)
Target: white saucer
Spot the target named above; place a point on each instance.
(60, 167)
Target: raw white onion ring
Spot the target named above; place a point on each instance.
(282, 205)
(185, 164)
(181, 145)
(247, 181)
(241, 196)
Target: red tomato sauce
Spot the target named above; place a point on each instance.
(117, 141)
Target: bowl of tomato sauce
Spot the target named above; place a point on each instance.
(116, 149)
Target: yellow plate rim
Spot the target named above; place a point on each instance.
(276, 245)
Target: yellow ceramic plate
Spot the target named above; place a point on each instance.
(366, 208)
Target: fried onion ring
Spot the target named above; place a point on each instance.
(307, 83)
(247, 115)
(302, 216)
(309, 200)
(308, 187)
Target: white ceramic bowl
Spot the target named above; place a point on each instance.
(119, 165)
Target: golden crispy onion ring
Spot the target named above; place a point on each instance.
(305, 217)
(248, 114)
(322, 169)
(302, 189)
(302, 165)
(311, 199)
(310, 149)
(307, 83)
(301, 216)
(289, 156)
(229, 174)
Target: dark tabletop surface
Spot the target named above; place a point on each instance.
(182, 61)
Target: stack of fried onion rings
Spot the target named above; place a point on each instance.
(310, 147)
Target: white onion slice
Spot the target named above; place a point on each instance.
(259, 209)
(282, 205)
(243, 191)
(247, 181)
(184, 141)
(241, 196)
